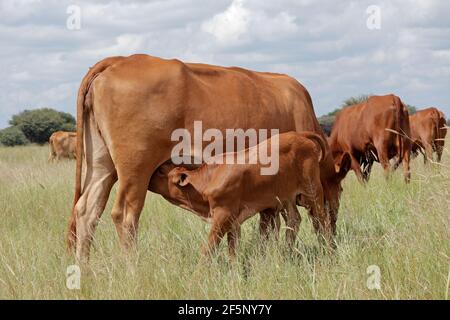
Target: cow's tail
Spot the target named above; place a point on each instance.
(83, 102)
(443, 128)
(318, 140)
(437, 125)
(400, 133)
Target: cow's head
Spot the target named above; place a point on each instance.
(331, 179)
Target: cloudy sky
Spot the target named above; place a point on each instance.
(326, 45)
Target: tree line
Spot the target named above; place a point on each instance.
(35, 126)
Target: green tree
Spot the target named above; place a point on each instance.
(354, 100)
(326, 122)
(12, 136)
(38, 125)
(411, 109)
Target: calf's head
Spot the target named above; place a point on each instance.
(331, 178)
(185, 187)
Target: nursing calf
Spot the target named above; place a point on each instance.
(228, 194)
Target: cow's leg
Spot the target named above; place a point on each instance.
(51, 156)
(135, 163)
(383, 157)
(100, 177)
(439, 146)
(133, 183)
(293, 220)
(356, 167)
(269, 223)
(233, 238)
(428, 152)
(221, 224)
(406, 157)
(367, 170)
(439, 150)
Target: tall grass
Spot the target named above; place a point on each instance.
(402, 229)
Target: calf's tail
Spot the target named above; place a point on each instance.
(318, 140)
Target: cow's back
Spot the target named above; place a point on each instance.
(249, 99)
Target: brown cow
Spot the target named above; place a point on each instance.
(428, 130)
(62, 145)
(232, 193)
(375, 130)
(128, 108)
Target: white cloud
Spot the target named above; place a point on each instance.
(324, 44)
(229, 25)
(239, 24)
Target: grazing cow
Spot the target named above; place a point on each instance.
(228, 194)
(375, 130)
(128, 108)
(62, 145)
(428, 130)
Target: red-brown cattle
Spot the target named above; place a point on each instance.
(375, 130)
(269, 218)
(227, 194)
(428, 131)
(62, 145)
(128, 108)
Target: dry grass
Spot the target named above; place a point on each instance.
(402, 229)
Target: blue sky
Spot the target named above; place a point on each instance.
(326, 45)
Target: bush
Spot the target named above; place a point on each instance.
(355, 100)
(411, 109)
(12, 136)
(38, 125)
(326, 122)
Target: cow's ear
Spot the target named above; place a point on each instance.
(345, 165)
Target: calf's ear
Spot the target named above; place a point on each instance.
(345, 165)
(181, 179)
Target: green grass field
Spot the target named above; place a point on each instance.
(402, 229)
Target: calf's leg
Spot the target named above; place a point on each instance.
(293, 220)
(221, 224)
(314, 201)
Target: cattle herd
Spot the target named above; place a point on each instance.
(128, 107)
